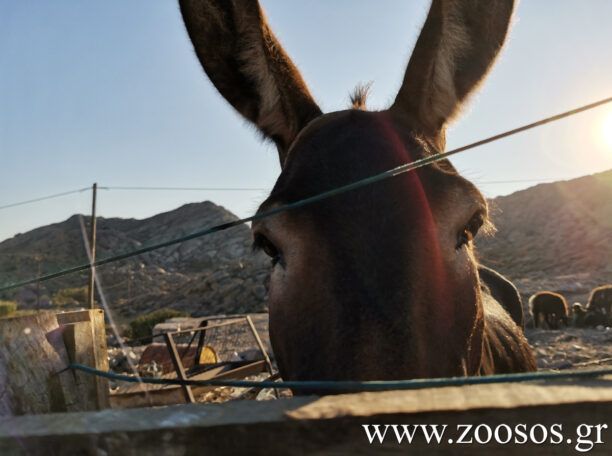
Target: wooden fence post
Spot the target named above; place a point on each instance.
(99, 359)
(34, 353)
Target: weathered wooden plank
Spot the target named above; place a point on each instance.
(100, 359)
(75, 316)
(329, 425)
(79, 341)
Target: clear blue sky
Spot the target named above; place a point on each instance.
(110, 91)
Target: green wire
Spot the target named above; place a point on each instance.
(354, 386)
(208, 231)
(310, 200)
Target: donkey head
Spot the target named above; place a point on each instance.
(381, 282)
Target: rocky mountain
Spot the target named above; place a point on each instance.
(208, 275)
(555, 236)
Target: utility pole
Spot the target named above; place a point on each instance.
(38, 258)
(92, 246)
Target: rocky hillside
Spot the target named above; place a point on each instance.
(554, 236)
(210, 275)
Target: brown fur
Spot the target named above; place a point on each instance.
(359, 96)
(434, 89)
(504, 292)
(600, 300)
(249, 67)
(550, 308)
(598, 310)
(382, 282)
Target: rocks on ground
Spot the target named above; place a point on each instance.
(571, 348)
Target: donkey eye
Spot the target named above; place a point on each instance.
(469, 231)
(263, 243)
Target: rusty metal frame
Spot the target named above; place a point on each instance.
(177, 359)
(178, 367)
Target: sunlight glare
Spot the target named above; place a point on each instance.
(606, 130)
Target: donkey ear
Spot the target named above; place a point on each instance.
(248, 66)
(456, 49)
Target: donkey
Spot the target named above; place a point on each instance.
(379, 283)
(550, 308)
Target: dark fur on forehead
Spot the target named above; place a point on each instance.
(360, 96)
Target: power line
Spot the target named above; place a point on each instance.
(207, 189)
(232, 189)
(460, 149)
(522, 181)
(255, 189)
(43, 198)
(70, 192)
(312, 199)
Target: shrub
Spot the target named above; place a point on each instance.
(70, 297)
(7, 308)
(143, 325)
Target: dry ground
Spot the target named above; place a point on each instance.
(568, 348)
(571, 348)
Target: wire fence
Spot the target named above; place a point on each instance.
(399, 170)
(356, 386)
(236, 189)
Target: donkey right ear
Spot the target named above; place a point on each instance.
(457, 46)
(248, 66)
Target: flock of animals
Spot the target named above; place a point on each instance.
(550, 310)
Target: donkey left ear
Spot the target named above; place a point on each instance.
(454, 52)
(249, 67)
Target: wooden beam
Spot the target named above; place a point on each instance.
(100, 352)
(79, 341)
(328, 425)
